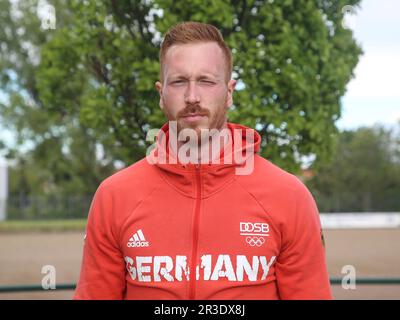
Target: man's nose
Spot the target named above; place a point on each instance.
(192, 95)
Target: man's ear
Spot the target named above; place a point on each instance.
(231, 88)
(159, 89)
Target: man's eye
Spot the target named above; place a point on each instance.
(177, 81)
(207, 82)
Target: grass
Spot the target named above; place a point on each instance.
(12, 226)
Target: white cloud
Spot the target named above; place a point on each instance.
(373, 96)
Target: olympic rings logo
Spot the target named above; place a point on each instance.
(255, 241)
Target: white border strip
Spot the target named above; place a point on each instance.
(360, 220)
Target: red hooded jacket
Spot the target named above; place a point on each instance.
(175, 231)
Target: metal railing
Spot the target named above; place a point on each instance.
(35, 287)
(72, 286)
(48, 207)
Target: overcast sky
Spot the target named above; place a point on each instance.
(373, 96)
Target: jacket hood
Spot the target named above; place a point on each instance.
(236, 157)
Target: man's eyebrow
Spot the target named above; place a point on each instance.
(201, 76)
(177, 76)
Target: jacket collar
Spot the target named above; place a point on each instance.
(243, 143)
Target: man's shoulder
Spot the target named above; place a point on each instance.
(278, 191)
(136, 176)
(274, 178)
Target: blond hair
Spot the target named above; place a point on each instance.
(192, 32)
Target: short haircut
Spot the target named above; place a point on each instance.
(195, 32)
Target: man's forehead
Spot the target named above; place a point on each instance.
(199, 58)
(211, 47)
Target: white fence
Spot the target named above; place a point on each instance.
(350, 220)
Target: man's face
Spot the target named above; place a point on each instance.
(195, 91)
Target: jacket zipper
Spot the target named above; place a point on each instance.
(192, 279)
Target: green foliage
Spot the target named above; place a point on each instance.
(110, 75)
(364, 174)
(89, 84)
(55, 152)
(294, 58)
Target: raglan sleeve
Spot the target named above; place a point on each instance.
(102, 274)
(301, 269)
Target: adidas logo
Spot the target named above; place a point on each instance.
(137, 240)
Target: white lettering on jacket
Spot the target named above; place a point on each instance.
(166, 268)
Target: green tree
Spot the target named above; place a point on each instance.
(54, 152)
(293, 57)
(364, 174)
(81, 97)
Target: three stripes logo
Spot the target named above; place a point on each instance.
(137, 240)
(255, 233)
